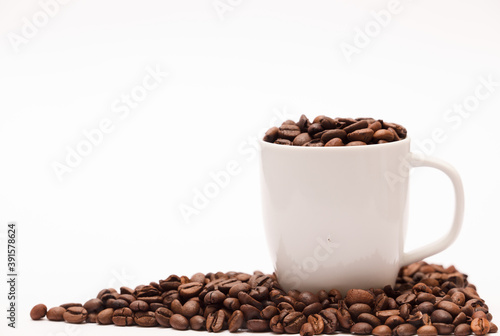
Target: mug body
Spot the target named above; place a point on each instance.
(335, 217)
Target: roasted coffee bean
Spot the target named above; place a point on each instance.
(493, 328)
(139, 305)
(359, 296)
(276, 325)
(75, 315)
(119, 303)
(427, 330)
(450, 307)
(163, 316)
(315, 128)
(301, 139)
(361, 328)
(56, 314)
(173, 281)
(328, 123)
(383, 134)
(330, 320)
(459, 319)
(359, 308)
(356, 126)
(293, 321)
(38, 312)
(303, 123)
(480, 326)
(190, 290)
(393, 321)
(462, 329)
(259, 293)
(197, 322)
(268, 312)
(127, 297)
(145, 319)
(313, 308)
(215, 321)
(123, 317)
(91, 318)
(444, 328)
(458, 298)
(441, 316)
(250, 312)
(344, 318)
(375, 126)
(384, 314)
(369, 318)
(425, 297)
(406, 298)
(356, 143)
(231, 303)
(93, 305)
(69, 305)
(241, 287)
(365, 135)
(404, 329)
(426, 307)
(317, 323)
(236, 321)
(335, 142)
(257, 325)
(306, 330)
(247, 299)
(105, 316)
(382, 330)
(333, 134)
(179, 322)
(288, 132)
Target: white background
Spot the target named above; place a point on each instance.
(115, 218)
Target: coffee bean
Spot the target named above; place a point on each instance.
(56, 314)
(315, 128)
(105, 316)
(288, 132)
(335, 142)
(384, 314)
(361, 328)
(293, 321)
(330, 320)
(259, 293)
(313, 308)
(332, 134)
(38, 312)
(303, 123)
(393, 321)
(179, 322)
(231, 303)
(450, 307)
(145, 319)
(359, 296)
(75, 315)
(383, 134)
(139, 305)
(344, 318)
(356, 143)
(215, 321)
(257, 325)
(493, 328)
(197, 322)
(370, 319)
(69, 305)
(480, 326)
(317, 323)
(119, 303)
(458, 298)
(382, 330)
(462, 329)
(427, 330)
(276, 325)
(93, 305)
(425, 297)
(406, 298)
(404, 329)
(285, 142)
(250, 312)
(301, 139)
(306, 330)
(356, 126)
(236, 321)
(444, 328)
(375, 126)
(365, 135)
(359, 308)
(314, 143)
(247, 299)
(426, 307)
(459, 319)
(441, 316)
(241, 287)
(190, 308)
(190, 290)
(163, 316)
(268, 312)
(123, 317)
(91, 318)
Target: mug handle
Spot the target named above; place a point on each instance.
(439, 245)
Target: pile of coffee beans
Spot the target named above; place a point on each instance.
(329, 132)
(427, 300)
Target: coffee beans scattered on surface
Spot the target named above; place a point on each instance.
(427, 300)
(328, 132)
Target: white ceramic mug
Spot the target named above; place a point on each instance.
(336, 217)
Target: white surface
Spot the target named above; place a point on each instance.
(115, 218)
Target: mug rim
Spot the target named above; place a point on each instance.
(374, 146)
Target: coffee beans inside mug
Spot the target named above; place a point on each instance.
(426, 300)
(324, 131)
